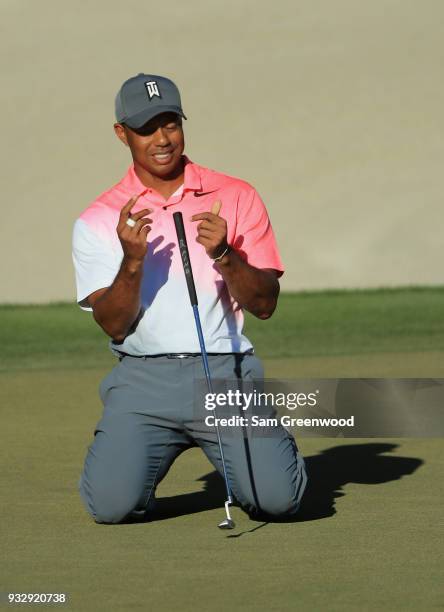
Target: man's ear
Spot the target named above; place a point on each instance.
(120, 132)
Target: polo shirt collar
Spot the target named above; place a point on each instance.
(192, 179)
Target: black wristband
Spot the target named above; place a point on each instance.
(227, 250)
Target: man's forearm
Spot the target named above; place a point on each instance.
(118, 307)
(255, 290)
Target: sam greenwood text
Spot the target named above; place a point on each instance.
(285, 420)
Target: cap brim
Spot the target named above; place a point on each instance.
(137, 121)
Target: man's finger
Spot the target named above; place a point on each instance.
(128, 206)
(208, 226)
(215, 209)
(141, 223)
(207, 216)
(203, 233)
(203, 241)
(142, 213)
(145, 231)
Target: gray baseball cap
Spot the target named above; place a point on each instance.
(144, 96)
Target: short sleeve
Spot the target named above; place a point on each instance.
(254, 234)
(95, 262)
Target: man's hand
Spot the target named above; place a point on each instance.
(212, 231)
(133, 239)
(116, 308)
(254, 289)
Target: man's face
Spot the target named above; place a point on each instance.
(157, 146)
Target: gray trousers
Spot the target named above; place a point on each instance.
(151, 416)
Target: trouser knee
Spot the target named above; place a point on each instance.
(276, 500)
(104, 506)
(278, 506)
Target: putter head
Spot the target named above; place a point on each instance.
(228, 523)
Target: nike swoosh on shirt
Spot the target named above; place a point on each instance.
(198, 194)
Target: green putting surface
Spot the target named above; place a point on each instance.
(368, 536)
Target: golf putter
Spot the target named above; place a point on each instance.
(228, 523)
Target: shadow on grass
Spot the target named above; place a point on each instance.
(213, 496)
(335, 467)
(328, 472)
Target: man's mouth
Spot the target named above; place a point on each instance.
(163, 158)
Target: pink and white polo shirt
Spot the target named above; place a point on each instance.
(167, 324)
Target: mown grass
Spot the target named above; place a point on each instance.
(374, 508)
(306, 324)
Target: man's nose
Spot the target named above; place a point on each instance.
(161, 136)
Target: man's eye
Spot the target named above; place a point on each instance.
(143, 131)
(148, 130)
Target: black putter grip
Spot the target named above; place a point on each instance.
(183, 248)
